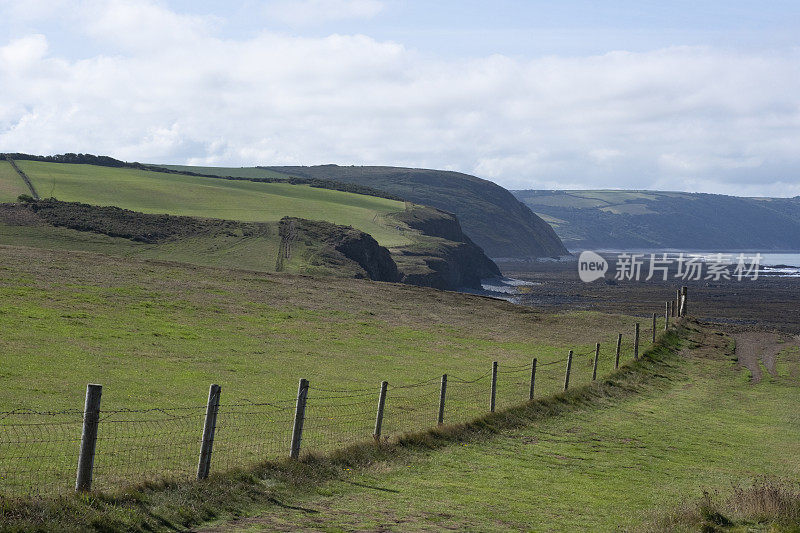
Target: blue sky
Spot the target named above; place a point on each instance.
(699, 96)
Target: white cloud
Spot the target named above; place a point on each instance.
(675, 118)
(140, 25)
(312, 12)
(28, 10)
(23, 53)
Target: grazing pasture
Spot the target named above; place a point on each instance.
(640, 462)
(155, 335)
(176, 194)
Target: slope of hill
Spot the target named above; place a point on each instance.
(489, 214)
(290, 245)
(247, 201)
(654, 219)
(320, 231)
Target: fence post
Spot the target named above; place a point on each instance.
(494, 387)
(299, 417)
(683, 300)
(674, 305)
(533, 378)
(678, 303)
(91, 419)
(619, 345)
(569, 367)
(379, 416)
(442, 393)
(636, 343)
(209, 428)
(666, 316)
(596, 357)
(654, 328)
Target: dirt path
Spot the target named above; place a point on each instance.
(753, 347)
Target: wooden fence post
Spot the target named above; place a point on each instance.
(569, 367)
(666, 316)
(684, 289)
(636, 343)
(91, 419)
(209, 429)
(299, 417)
(533, 378)
(596, 357)
(619, 345)
(654, 328)
(442, 393)
(678, 303)
(674, 305)
(494, 387)
(379, 416)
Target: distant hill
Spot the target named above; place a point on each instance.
(653, 219)
(279, 225)
(489, 214)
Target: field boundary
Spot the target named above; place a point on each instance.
(23, 176)
(38, 448)
(175, 505)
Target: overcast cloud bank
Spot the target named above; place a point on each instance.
(166, 88)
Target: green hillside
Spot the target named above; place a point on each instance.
(236, 172)
(11, 185)
(489, 214)
(155, 335)
(656, 219)
(157, 192)
(322, 235)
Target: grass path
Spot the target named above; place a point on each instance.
(597, 469)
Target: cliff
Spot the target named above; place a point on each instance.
(441, 256)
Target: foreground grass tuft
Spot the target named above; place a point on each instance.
(765, 505)
(168, 506)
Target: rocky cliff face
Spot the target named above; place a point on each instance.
(339, 245)
(442, 257)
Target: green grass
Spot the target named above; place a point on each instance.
(635, 451)
(238, 172)
(226, 251)
(155, 192)
(156, 335)
(641, 463)
(11, 184)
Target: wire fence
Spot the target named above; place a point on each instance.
(39, 449)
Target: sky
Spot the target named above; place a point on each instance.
(700, 96)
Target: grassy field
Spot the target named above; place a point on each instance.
(11, 184)
(489, 214)
(156, 335)
(639, 464)
(238, 172)
(679, 441)
(155, 192)
(225, 251)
